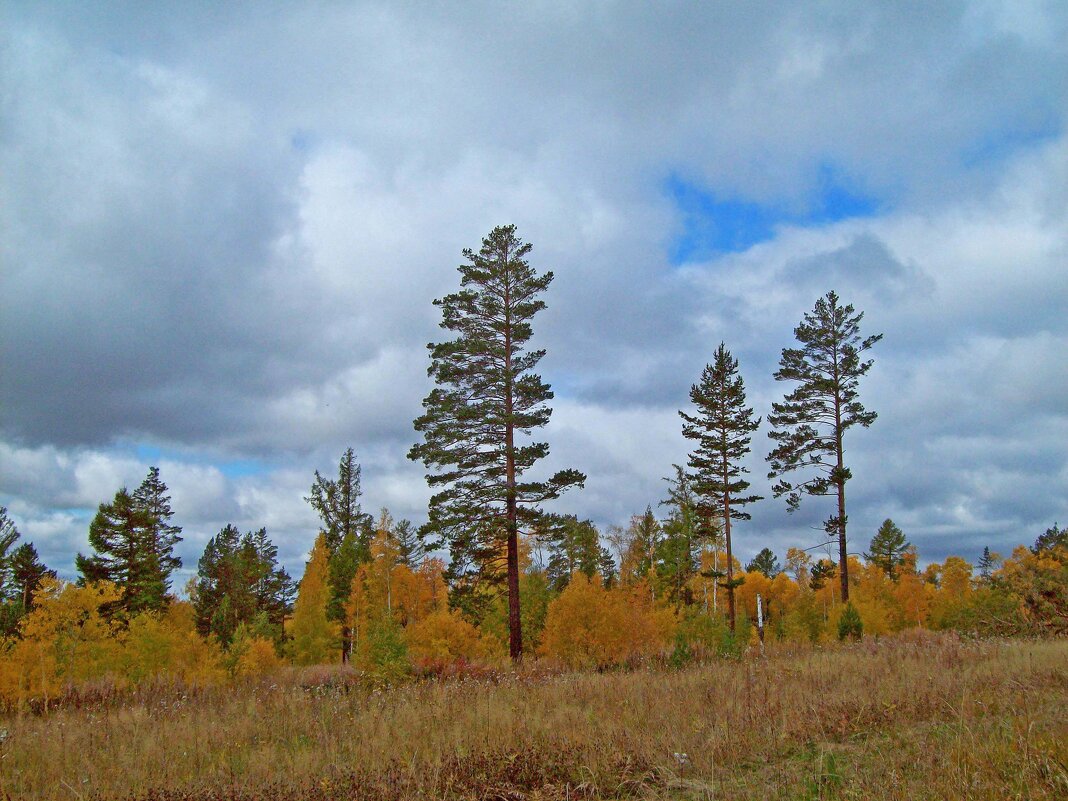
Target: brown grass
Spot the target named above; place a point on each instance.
(915, 717)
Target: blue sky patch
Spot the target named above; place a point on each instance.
(234, 468)
(713, 224)
(998, 145)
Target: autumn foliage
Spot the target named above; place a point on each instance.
(400, 619)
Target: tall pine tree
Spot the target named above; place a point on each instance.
(722, 428)
(679, 552)
(810, 423)
(487, 394)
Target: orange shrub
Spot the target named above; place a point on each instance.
(444, 637)
(588, 626)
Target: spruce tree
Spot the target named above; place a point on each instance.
(888, 548)
(21, 573)
(487, 395)
(152, 497)
(410, 542)
(238, 581)
(644, 536)
(122, 537)
(722, 429)
(679, 552)
(338, 506)
(810, 424)
(26, 574)
(348, 531)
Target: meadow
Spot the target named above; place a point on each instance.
(913, 716)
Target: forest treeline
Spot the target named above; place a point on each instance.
(647, 592)
(379, 593)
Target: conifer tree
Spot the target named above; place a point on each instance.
(888, 548)
(348, 532)
(26, 574)
(314, 636)
(574, 545)
(722, 429)
(487, 395)
(410, 543)
(134, 541)
(21, 573)
(121, 535)
(643, 538)
(765, 562)
(152, 497)
(238, 581)
(988, 563)
(810, 424)
(679, 551)
(338, 506)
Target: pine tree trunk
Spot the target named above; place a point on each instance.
(843, 556)
(515, 626)
(730, 560)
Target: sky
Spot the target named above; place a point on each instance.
(222, 227)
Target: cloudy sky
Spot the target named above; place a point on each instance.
(222, 227)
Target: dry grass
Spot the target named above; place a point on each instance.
(911, 718)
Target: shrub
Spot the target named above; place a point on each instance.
(850, 624)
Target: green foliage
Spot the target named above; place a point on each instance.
(383, 653)
(338, 505)
(486, 393)
(888, 548)
(722, 429)
(410, 543)
(809, 425)
(823, 571)
(152, 497)
(850, 624)
(988, 612)
(765, 562)
(574, 545)
(988, 563)
(21, 573)
(133, 543)
(703, 635)
(644, 537)
(238, 581)
(804, 620)
(1050, 539)
(678, 554)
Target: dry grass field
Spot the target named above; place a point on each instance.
(915, 717)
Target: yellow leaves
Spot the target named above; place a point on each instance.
(315, 638)
(168, 646)
(589, 626)
(444, 637)
(258, 656)
(65, 639)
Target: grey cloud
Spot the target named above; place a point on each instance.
(224, 224)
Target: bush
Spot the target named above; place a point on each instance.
(850, 624)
